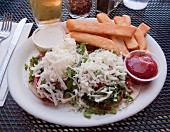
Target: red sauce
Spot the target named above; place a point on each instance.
(41, 55)
(142, 66)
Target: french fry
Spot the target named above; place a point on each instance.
(131, 43)
(95, 40)
(119, 21)
(99, 28)
(144, 28)
(140, 39)
(120, 45)
(127, 19)
(103, 18)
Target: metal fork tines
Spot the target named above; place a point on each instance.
(6, 26)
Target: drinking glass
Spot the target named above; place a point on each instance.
(135, 4)
(79, 8)
(107, 6)
(46, 11)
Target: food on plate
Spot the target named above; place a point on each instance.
(103, 18)
(127, 19)
(120, 21)
(93, 82)
(45, 42)
(87, 69)
(94, 40)
(140, 39)
(144, 28)
(131, 43)
(125, 39)
(99, 28)
(120, 45)
(142, 66)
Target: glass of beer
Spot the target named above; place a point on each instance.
(46, 11)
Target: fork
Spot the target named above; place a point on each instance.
(6, 26)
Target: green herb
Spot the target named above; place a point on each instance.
(26, 66)
(43, 81)
(99, 50)
(73, 102)
(96, 73)
(113, 52)
(113, 110)
(81, 48)
(128, 98)
(88, 112)
(83, 59)
(31, 77)
(101, 93)
(69, 81)
(69, 84)
(34, 61)
(98, 111)
(70, 72)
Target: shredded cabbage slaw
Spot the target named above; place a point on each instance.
(94, 83)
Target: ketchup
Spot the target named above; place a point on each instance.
(142, 66)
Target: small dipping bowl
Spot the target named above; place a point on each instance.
(45, 38)
(136, 79)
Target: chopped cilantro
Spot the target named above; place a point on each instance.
(31, 77)
(43, 81)
(73, 102)
(69, 84)
(83, 59)
(87, 113)
(128, 98)
(96, 73)
(34, 61)
(81, 48)
(70, 72)
(26, 66)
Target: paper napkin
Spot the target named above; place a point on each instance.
(3, 48)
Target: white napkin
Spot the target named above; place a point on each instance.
(3, 48)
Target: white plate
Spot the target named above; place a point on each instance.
(61, 115)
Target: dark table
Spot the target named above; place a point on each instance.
(155, 117)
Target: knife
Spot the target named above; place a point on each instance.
(14, 41)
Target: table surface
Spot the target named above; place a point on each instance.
(155, 117)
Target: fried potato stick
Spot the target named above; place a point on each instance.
(120, 45)
(127, 19)
(131, 43)
(120, 21)
(141, 39)
(144, 28)
(99, 28)
(103, 18)
(94, 40)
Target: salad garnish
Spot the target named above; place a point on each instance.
(93, 82)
